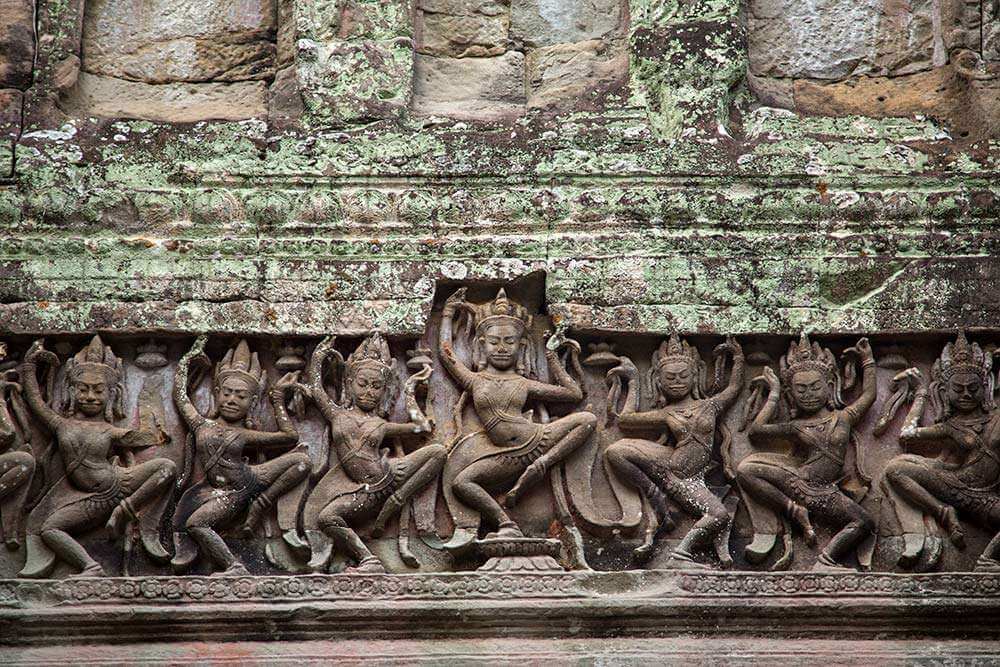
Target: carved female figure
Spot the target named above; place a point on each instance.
(363, 482)
(16, 467)
(231, 485)
(820, 428)
(519, 450)
(688, 420)
(93, 488)
(967, 477)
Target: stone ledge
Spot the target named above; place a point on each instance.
(656, 603)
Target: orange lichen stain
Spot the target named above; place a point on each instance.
(43, 304)
(823, 189)
(271, 315)
(330, 291)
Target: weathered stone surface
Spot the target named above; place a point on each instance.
(187, 41)
(346, 81)
(359, 19)
(176, 102)
(938, 91)
(17, 43)
(466, 36)
(474, 88)
(827, 39)
(547, 22)
(574, 75)
(10, 127)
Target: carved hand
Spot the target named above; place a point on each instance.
(772, 381)
(37, 352)
(864, 349)
(287, 382)
(197, 349)
(732, 345)
(911, 375)
(453, 302)
(625, 369)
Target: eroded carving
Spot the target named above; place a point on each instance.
(91, 487)
(686, 419)
(360, 480)
(232, 486)
(929, 492)
(782, 487)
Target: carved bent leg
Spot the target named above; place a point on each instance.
(279, 476)
(469, 487)
(147, 485)
(924, 488)
(16, 469)
(201, 526)
(567, 434)
(333, 521)
(695, 498)
(838, 508)
(56, 534)
(770, 485)
(422, 467)
(630, 458)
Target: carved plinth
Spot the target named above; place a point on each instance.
(519, 554)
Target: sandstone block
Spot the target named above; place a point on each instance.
(468, 36)
(547, 22)
(571, 76)
(175, 102)
(17, 43)
(180, 41)
(471, 88)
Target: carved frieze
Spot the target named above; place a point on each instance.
(495, 443)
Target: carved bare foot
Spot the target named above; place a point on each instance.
(237, 569)
(800, 515)
(531, 476)
(367, 565)
(506, 529)
(826, 564)
(760, 548)
(12, 543)
(92, 570)
(392, 505)
(292, 539)
(254, 515)
(119, 518)
(949, 519)
(913, 547)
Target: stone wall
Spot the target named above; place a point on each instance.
(498, 59)
(878, 58)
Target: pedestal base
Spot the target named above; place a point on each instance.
(520, 554)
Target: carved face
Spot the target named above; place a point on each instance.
(810, 391)
(234, 398)
(502, 345)
(676, 380)
(90, 392)
(368, 389)
(965, 392)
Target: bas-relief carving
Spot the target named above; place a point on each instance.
(701, 459)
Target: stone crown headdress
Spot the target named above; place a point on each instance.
(502, 311)
(372, 352)
(806, 356)
(674, 349)
(962, 357)
(240, 362)
(98, 357)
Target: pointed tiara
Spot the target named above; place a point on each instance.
(963, 357)
(373, 351)
(240, 362)
(673, 350)
(99, 357)
(806, 356)
(502, 311)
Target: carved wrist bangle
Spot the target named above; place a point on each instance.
(867, 362)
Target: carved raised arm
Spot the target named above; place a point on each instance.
(286, 434)
(856, 410)
(912, 432)
(181, 399)
(727, 396)
(32, 392)
(761, 428)
(452, 364)
(314, 377)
